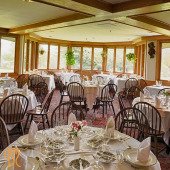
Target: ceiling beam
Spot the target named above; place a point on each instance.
(49, 24)
(4, 30)
(151, 21)
(142, 25)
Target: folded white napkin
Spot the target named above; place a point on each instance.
(146, 92)
(21, 161)
(110, 127)
(144, 150)
(141, 96)
(25, 89)
(71, 118)
(32, 132)
(157, 102)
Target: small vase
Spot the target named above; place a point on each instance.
(76, 143)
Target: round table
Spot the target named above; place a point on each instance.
(6, 81)
(165, 116)
(85, 151)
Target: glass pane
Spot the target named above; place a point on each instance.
(43, 53)
(77, 53)
(110, 59)
(63, 51)
(165, 61)
(129, 67)
(53, 57)
(119, 60)
(98, 58)
(7, 55)
(87, 53)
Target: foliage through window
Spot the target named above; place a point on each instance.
(87, 54)
(43, 55)
(63, 51)
(7, 55)
(129, 66)
(77, 54)
(53, 57)
(119, 59)
(110, 59)
(98, 58)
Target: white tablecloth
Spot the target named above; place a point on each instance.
(7, 81)
(106, 77)
(49, 80)
(153, 90)
(66, 76)
(114, 146)
(165, 115)
(120, 82)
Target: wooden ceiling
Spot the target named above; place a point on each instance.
(150, 15)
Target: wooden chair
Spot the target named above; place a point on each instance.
(13, 109)
(76, 94)
(41, 111)
(41, 91)
(155, 122)
(61, 113)
(75, 78)
(4, 136)
(162, 91)
(121, 101)
(100, 80)
(130, 83)
(22, 80)
(119, 76)
(63, 91)
(132, 122)
(33, 80)
(142, 83)
(107, 97)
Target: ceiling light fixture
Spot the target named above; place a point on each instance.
(27, 0)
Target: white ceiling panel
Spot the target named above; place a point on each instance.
(14, 13)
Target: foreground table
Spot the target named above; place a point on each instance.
(85, 151)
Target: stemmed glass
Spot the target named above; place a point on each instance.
(97, 158)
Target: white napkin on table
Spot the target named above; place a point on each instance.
(144, 150)
(141, 96)
(32, 132)
(157, 102)
(21, 160)
(110, 127)
(25, 89)
(71, 118)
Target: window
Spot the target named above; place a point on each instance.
(87, 54)
(63, 51)
(119, 59)
(77, 54)
(43, 55)
(165, 62)
(129, 67)
(7, 56)
(53, 57)
(110, 59)
(98, 58)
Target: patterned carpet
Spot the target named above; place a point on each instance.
(97, 119)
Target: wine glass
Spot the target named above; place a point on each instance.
(96, 156)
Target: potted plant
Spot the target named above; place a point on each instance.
(131, 57)
(70, 58)
(41, 51)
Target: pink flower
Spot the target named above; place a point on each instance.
(84, 122)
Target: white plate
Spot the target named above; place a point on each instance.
(62, 154)
(117, 136)
(32, 163)
(23, 140)
(130, 156)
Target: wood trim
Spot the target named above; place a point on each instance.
(135, 65)
(104, 59)
(49, 24)
(58, 64)
(27, 55)
(124, 59)
(143, 60)
(32, 55)
(139, 60)
(81, 59)
(48, 57)
(17, 55)
(158, 61)
(36, 55)
(92, 59)
(4, 30)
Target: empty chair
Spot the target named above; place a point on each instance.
(121, 101)
(41, 91)
(154, 119)
(63, 91)
(107, 97)
(119, 76)
(58, 80)
(13, 109)
(41, 111)
(142, 83)
(33, 80)
(130, 83)
(61, 113)
(75, 78)
(162, 91)
(76, 94)
(22, 80)
(4, 136)
(132, 122)
(100, 80)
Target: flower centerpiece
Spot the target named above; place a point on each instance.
(76, 127)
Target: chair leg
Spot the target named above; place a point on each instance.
(103, 109)
(61, 99)
(113, 108)
(155, 143)
(47, 121)
(43, 121)
(22, 129)
(26, 122)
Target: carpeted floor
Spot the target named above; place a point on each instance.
(97, 119)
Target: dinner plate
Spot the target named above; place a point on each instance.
(23, 140)
(130, 156)
(106, 157)
(95, 142)
(75, 164)
(32, 164)
(53, 158)
(116, 136)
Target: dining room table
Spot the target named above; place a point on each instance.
(49, 80)
(6, 81)
(37, 155)
(164, 111)
(106, 77)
